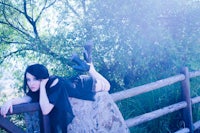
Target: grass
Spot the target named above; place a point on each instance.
(151, 101)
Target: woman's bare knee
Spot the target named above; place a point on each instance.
(102, 86)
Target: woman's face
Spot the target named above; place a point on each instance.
(32, 82)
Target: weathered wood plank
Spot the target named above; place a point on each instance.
(155, 114)
(184, 130)
(187, 112)
(197, 125)
(196, 100)
(146, 88)
(21, 108)
(9, 126)
(27, 107)
(194, 74)
(46, 124)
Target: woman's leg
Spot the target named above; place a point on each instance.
(102, 83)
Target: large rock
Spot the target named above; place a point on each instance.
(99, 116)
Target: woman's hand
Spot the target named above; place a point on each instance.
(43, 83)
(6, 107)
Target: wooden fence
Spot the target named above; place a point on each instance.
(10, 127)
(185, 104)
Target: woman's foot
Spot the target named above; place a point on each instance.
(87, 54)
(81, 65)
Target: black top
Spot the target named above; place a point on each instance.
(61, 115)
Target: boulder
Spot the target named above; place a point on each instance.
(99, 116)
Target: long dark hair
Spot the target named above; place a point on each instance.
(37, 70)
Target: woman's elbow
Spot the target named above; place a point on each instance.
(46, 109)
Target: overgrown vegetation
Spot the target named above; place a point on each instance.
(135, 42)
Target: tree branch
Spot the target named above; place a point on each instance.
(84, 7)
(71, 8)
(12, 42)
(33, 43)
(12, 7)
(30, 20)
(8, 23)
(44, 7)
(11, 54)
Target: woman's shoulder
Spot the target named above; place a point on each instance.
(53, 80)
(53, 77)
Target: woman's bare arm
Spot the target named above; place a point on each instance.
(45, 105)
(9, 104)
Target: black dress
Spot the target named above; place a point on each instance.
(61, 115)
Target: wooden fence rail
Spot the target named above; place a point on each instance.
(7, 125)
(186, 104)
(146, 88)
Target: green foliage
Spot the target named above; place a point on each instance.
(135, 42)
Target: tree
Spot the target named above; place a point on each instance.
(135, 42)
(22, 24)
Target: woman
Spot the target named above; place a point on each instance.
(52, 92)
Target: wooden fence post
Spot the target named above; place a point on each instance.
(46, 124)
(187, 112)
